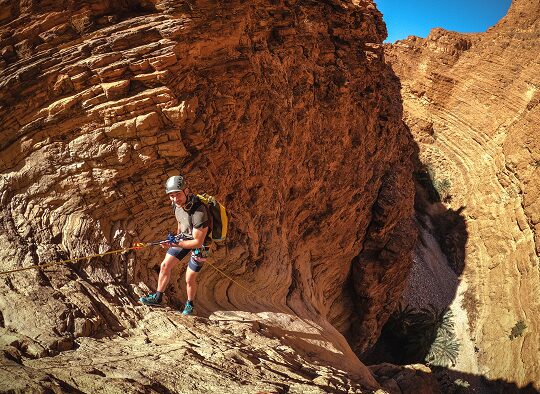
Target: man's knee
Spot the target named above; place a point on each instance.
(169, 262)
(191, 277)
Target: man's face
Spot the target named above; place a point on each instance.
(178, 198)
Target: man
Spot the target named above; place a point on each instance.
(193, 224)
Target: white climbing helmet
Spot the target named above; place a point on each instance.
(175, 184)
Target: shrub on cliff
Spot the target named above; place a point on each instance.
(517, 330)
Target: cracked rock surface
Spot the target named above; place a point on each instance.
(285, 110)
(471, 102)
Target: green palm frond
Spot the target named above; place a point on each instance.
(446, 325)
(443, 351)
(425, 334)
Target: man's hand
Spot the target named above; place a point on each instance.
(169, 244)
(190, 243)
(172, 241)
(166, 244)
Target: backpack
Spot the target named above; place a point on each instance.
(217, 214)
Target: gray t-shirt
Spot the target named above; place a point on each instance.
(199, 220)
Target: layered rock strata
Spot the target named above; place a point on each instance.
(231, 352)
(285, 110)
(172, 353)
(471, 101)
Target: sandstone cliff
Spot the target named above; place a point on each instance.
(284, 110)
(471, 101)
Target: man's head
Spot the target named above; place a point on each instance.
(177, 190)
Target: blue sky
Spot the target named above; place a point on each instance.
(417, 17)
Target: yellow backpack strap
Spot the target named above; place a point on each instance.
(203, 198)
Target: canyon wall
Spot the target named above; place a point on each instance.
(284, 110)
(471, 102)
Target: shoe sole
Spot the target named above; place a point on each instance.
(144, 303)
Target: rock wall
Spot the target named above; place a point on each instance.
(471, 101)
(284, 110)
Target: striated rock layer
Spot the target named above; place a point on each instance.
(284, 110)
(471, 101)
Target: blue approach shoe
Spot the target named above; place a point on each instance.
(151, 299)
(188, 309)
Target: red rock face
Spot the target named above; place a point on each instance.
(471, 101)
(285, 111)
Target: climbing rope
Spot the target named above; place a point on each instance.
(142, 245)
(136, 246)
(312, 325)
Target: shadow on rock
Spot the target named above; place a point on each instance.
(451, 382)
(446, 224)
(422, 329)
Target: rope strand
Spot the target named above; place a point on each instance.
(138, 246)
(45, 265)
(256, 296)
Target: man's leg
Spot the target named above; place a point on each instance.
(192, 271)
(172, 258)
(169, 262)
(191, 284)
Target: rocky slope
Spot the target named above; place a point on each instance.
(231, 352)
(471, 101)
(285, 110)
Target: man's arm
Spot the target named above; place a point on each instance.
(199, 234)
(198, 239)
